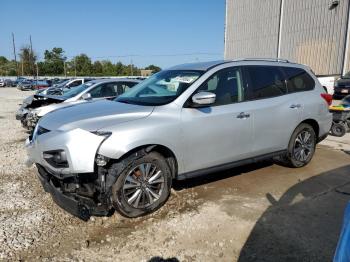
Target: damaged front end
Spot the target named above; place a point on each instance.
(71, 170)
(82, 195)
(27, 116)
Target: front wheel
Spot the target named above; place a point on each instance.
(301, 146)
(143, 186)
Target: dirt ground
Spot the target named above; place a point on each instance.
(261, 212)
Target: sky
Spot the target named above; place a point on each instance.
(161, 32)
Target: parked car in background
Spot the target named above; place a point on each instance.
(9, 83)
(342, 86)
(40, 84)
(65, 85)
(2, 82)
(25, 85)
(31, 111)
(186, 121)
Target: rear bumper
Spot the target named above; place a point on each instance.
(77, 205)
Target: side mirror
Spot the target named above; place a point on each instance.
(86, 96)
(204, 98)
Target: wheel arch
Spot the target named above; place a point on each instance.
(165, 151)
(314, 124)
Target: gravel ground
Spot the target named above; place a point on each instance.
(261, 212)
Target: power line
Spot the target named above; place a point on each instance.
(155, 55)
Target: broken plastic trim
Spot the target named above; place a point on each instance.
(101, 160)
(106, 134)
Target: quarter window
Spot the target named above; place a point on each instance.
(227, 84)
(298, 80)
(265, 82)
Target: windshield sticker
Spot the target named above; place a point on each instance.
(185, 79)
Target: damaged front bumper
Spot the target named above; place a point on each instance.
(81, 195)
(68, 171)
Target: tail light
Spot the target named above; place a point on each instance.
(328, 98)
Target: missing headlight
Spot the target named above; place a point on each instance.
(56, 158)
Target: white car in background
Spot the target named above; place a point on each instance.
(2, 82)
(29, 114)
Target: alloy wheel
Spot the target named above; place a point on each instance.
(303, 146)
(143, 185)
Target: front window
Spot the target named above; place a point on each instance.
(69, 93)
(161, 88)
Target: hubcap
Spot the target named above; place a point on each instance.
(143, 185)
(303, 146)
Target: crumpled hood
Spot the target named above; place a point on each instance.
(41, 111)
(93, 116)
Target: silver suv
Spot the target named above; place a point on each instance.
(189, 120)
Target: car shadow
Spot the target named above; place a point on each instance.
(304, 224)
(161, 259)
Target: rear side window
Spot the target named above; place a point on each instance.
(265, 82)
(298, 80)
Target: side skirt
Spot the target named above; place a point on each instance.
(209, 170)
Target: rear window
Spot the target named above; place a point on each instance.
(265, 81)
(298, 80)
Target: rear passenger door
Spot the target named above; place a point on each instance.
(275, 113)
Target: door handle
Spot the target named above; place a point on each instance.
(243, 115)
(295, 106)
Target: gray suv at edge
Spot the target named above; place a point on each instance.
(185, 121)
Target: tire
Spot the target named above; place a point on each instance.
(132, 179)
(338, 129)
(301, 147)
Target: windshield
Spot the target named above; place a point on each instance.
(347, 75)
(161, 88)
(346, 101)
(69, 93)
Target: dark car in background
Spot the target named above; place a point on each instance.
(342, 86)
(25, 85)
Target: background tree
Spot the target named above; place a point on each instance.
(155, 69)
(54, 61)
(28, 60)
(97, 68)
(83, 65)
(108, 68)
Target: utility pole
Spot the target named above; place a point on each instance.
(65, 69)
(75, 67)
(131, 68)
(14, 53)
(31, 63)
(22, 68)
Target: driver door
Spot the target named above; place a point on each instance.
(222, 132)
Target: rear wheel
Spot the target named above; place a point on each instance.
(301, 146)
(143, 187)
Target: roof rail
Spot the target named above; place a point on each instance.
(263, 59)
